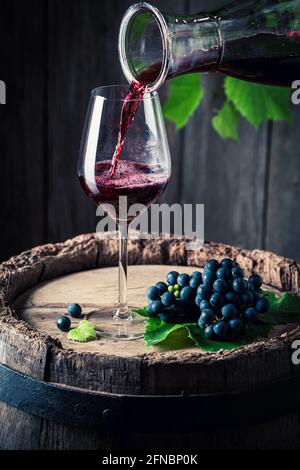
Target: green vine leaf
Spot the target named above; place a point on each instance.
(83, 333)
(141, 311)
(283, 309)
(226, 122)
(185, 96)
(157, 332)
(258, 103)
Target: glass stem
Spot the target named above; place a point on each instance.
(122, 312)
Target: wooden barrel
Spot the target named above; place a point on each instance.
(57, 394)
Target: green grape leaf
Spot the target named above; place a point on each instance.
(83, 333)
(207, 345)
(283, 309)
(157, 332)
(185, 95)
(141, 311)
(88, 329)
(258, 103)
(75, 334)
(226, 122)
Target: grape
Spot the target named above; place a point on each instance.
(63, 323)
(74, 310)
(204, 304)
(216, 300)
(223, 274)
(212, 265)
(196, 274)
(195, 282)
(227, 263)
(153, 293)
(228, 302)
(246, 298)
(220, 286)
(231, 297)
(235, 327)
(209, 332)
(156, 307)
(236, 273)
(256, 281)
(209, 277)
(148, 308)
(172, 277)
(239, 285)
(221, 329)
(168, 316)
(229, 311)
(204, 291)
(168, 299)
(187, 294)
(183, 280)
(250, 313)
(262, 305)
(162, 287)
(207, 317)
(174, 313)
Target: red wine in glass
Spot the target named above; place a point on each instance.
(139, 182)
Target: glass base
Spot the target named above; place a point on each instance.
(111, 327)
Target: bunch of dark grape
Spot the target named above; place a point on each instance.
(220, 299)
(174, 301)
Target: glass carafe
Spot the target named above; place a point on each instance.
(249, 39)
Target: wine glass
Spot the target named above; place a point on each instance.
(141, 174)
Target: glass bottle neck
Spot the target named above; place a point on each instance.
(196, 44)
(154, 46)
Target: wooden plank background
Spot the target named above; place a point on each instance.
(52, 54)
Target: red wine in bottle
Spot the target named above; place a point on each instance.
(256, 40)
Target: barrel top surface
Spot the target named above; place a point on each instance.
(97, 288)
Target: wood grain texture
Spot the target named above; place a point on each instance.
(227, 177)
(22, 123)
(283, 205)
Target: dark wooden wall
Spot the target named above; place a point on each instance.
(53, 52)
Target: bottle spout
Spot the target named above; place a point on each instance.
(144, 46)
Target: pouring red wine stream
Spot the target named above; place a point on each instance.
(129, 109)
